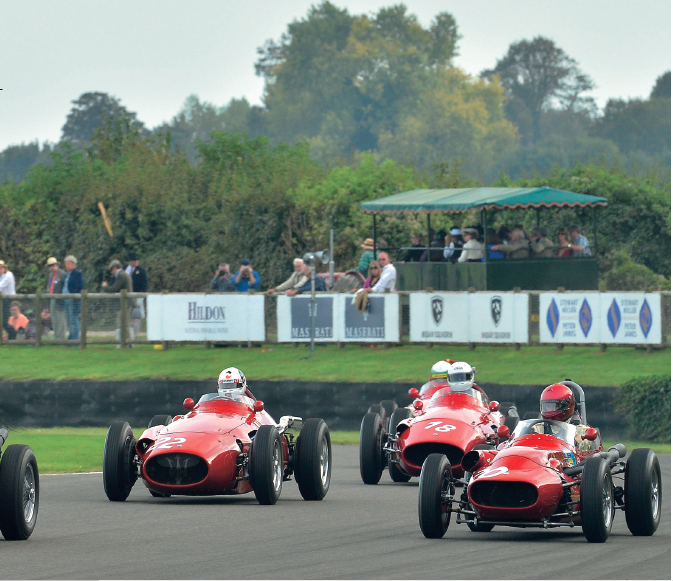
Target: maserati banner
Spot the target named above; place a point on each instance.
(200, 317)
(294, 318)
(483, 317)
(594, 317)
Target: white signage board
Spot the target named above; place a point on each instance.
(294, 318)
(201, 317)
(458, 317)
(593, 317)
(379, 323)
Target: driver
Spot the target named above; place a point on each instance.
(461, 377)
(438, 378)
(557, 402)
(232, 385)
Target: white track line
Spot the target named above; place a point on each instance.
(71, 474)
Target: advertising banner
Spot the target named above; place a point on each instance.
(594, 317)
(482, 317)
(201, 317)
(294, 318)
(379, 323)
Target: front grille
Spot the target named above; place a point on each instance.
(176, 469)
(417, 453)
(503, 494)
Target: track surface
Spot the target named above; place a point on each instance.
(358, 531)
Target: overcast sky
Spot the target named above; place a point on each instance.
(152, 54)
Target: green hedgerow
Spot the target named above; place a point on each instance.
(646, 402)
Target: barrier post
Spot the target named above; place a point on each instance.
(123, 319)
(38, 319)
(84, 309)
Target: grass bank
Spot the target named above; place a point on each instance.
(81, 449)
(409, 363)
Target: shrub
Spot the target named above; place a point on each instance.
(646, 402)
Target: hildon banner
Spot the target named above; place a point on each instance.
(461, 317)
(201, 317)
(594, 317)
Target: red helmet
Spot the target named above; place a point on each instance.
(557, 402)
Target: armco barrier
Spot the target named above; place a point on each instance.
(341, 405)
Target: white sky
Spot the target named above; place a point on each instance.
(154, 53)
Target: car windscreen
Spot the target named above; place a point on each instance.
(432, 384)
(441, 393)
(560, 430)
(212, 396)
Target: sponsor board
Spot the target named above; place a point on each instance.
(201, 317)
(294, 318)
(600, 318)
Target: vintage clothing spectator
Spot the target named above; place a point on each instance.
(473, 250)
(56, 306)
(73, 283)
(223, 281)
(518, 246)
(580, 244)
(367, 256)
(297, 278)
(17, 323)
(414, 253)
(565, 249)
(7, 289)
(120, 281)
(388, 276)
(540, 244)
(139, 283)
(246, 277)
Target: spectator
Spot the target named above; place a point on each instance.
(473, 250)
(120, 281)
(73, 283)
(7, 289)
(139, 283)
(540, 244)
(17, 323)
(565, 249)
(223, 281)
(56, 306)
(388, 276)
(367, 256)
(453, 244)
(306, 287)
(518, 246)
(580, 244)
(246, 277)
(520, 227)
(504, 233)
(374, 276)
(492, 240)
(297, 278)
(414, 253)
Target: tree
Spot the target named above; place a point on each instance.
(535, 74)
(662, 87)
(16, 159)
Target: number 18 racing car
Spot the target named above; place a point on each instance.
(550, 473)
(224, 444)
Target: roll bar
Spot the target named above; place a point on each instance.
(578, 392)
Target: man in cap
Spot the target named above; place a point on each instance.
(246, 277)
(453, 243)
(473, 250)
(73, 283)
(367, 256)
(139, 282)
(56, 306)
(120, 281)
(7, 289)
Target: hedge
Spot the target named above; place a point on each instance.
(646, 401)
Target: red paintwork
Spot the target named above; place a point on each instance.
(212, 431)
(537, 459)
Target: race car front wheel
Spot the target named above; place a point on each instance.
(434, 512)
(396, 473)
(643, 492)
(597, 502)
(119, 473)
(371, 448)
(266, 465)
(160, 420)
(313, 459)
(19, 492)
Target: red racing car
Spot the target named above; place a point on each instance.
(450, 416)
(222, 445)
(548, 474)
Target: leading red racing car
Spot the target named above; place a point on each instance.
(550, 473)
(451, 415)
(224, 444)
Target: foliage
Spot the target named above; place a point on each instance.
(621, 273)
(646, 403)
(16, 159)
(662, 87)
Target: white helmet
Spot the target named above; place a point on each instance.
(461, 376)
(232, 383)
(440, 369)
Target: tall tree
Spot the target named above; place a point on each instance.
(662, 88)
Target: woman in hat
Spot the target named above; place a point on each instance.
(473, 250)
(367, 256)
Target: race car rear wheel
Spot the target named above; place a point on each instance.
(389, 406)
(119, 473)
(160, 420)
(19, 492)
(642, 492)
(266, 465)
(480, 528)
(597, 502)
(371, 448)
(434, 512)
(313, 459)
(396, 473)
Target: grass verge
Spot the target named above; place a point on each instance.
(81, 449)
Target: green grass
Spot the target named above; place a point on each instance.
(409, 363)
(81, 449)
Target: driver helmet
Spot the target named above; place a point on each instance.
(461, 376)
(557, 402)
(232, 383)
(440, 370)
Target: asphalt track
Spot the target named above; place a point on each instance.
(358, 531)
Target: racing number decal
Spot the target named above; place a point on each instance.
(440, 428)
(166, 443)
(491, 472)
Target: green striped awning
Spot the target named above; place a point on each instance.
(465, 199)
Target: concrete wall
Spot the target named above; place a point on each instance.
(341, 405)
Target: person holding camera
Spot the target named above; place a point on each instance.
(246, 277)
(223, 280)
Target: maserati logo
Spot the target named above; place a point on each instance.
(437, 309)
(496, 309)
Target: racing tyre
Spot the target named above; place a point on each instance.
(313, 459)
(160, 420)
(642, 494)
(377, 408)
(398, 415)
(479, 528)
(597, 503)
(266, 465)
(389, 406)
(19, 492)
(434, 513)
(510, 420)
(119, 471)
(159, 494)
(371, 448)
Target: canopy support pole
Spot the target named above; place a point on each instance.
(374, 216)
(595, 232)
(429, 239)
(484, 226)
